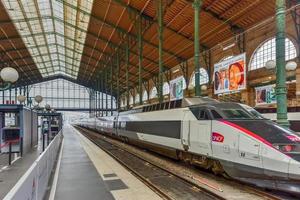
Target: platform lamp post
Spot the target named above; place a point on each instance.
(38, 99)
(21, 98)
(29, 101)
(9, 76)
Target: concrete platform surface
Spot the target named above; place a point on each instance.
(87, 172)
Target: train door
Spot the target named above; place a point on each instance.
(185, 132)
(249, 150)
(200, 131)
(115, 125)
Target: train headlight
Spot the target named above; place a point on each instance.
(287, 148)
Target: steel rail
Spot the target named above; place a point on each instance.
(248, 188)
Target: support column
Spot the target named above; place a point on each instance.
(26, 90)
(160, 50)
(9, 95)
(111, 89)
(298, 83)
(281, 90)
(127, 73)
(3, 100)
(96, 100)
(118, 82)
(26, 93)
(197, 6)
(148, 91)
(16, 94)
(90, 103)
(102, 94)
(99, 95)
(296, 18)
(98, 92)
(140, 46)
(106, 100)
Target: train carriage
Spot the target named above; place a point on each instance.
(228, 138)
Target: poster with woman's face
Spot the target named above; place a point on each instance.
(230, 75)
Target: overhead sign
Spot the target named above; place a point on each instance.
(230, 75)
(265, 95)
(176, 88)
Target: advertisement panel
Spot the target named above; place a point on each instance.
(176, 88)
(230, 75)
(265, 95)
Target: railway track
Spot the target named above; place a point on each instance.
(167, 184)
(155, 176)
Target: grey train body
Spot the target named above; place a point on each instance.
(227, 138)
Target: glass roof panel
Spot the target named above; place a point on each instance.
(48, 39)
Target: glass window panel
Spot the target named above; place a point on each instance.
(42, 22)
(72, 104)
(267, 51)
(204, 78)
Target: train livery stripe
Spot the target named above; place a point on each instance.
(247, 132)
(169, 129)
(254, 136)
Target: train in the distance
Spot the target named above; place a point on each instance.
(230, 139)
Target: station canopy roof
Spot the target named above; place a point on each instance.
(76, 39)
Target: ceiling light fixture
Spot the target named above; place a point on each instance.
(228, 47)
(175, 71)
(9, 76)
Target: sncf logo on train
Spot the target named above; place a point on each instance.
(217, 137)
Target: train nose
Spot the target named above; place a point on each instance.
(294, 169)
(294, 176)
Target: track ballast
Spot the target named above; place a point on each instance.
(163, 182)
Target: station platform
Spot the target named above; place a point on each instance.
(84, 171)
(10, 175)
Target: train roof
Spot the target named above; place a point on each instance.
(187, 102)
(180, 103)
(223, 108)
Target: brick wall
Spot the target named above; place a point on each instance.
(254, 37)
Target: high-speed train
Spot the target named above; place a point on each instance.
(230, 139)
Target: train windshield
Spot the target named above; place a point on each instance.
(252, 111)
(241, 111)
(236, 114)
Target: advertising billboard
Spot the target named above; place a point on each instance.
(265, 95)
(230, 75)
(176, 88)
